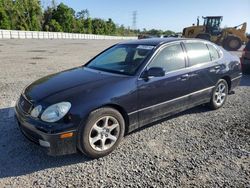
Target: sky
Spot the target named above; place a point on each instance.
(165, 14)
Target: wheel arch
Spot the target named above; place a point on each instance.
(229, 82)
(122, 111)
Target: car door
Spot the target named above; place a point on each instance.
(158, 96)
(204, 70)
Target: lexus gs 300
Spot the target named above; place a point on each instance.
(91, 107)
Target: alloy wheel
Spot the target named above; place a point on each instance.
(104, 133)
(220, 94)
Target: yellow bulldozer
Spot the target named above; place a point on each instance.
(230, 38)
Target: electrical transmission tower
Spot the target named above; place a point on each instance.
(134, 20)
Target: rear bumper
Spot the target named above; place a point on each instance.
(245, 61)
(235, 82)
(52, 143)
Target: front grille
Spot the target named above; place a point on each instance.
(24, 104)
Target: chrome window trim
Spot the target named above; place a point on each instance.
(186, 55)
(175, 99)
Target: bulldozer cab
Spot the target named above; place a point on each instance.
(212, 24)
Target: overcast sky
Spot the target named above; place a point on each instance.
(164, 14)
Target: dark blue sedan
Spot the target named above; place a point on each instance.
(90, 108)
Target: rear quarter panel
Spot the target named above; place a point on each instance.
(232, 67)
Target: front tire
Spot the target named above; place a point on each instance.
(219, 95)
(102, 133)
(232, 43)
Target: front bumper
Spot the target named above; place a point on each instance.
(52, 143)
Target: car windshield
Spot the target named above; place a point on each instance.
(122, 59)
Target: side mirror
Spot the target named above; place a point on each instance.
(153, 72)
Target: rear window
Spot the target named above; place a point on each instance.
(197, 53)
(213, 52)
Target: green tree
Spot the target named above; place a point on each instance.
(27, 14)
(4, 19)
(35, 12)
(83, 14)
(155, 32)
(88, 26)
(120, 30)
(168, 32)
(110, 27)
(8, 9)
(78, 26)
(54, 26)
(64, 15)
(47, 17)
(81, 19)
(99, 26)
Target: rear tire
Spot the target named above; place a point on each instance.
(102, 132)
(232, 43)
(219, 95)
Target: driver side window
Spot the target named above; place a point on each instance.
(171, 58)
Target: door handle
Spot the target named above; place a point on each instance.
(184, 77)
(215, 69)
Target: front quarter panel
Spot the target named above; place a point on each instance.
(119, 91)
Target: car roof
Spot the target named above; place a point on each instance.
(153, 41)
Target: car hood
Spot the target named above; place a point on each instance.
(62, 81)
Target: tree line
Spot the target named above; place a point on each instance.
(30, 15)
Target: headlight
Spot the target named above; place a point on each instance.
(55, 112)
(36, 111)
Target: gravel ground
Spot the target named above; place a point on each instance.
(196, 148)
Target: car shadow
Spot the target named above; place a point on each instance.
(19, 156)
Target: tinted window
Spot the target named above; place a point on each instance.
(213, 52)
(170, 58)
(197, 53)
(118, 55)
